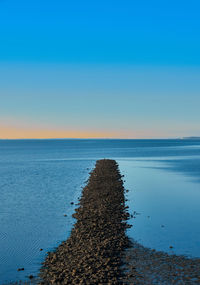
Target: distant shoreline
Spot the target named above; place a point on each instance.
(191, 138)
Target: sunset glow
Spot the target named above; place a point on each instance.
(39, 133)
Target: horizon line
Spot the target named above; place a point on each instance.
(93, 138)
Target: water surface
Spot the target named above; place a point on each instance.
(40, 179)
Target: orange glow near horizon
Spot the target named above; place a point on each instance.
(16, 132)
(13, 131)
(11, 128)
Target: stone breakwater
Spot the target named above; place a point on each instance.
(93, 252)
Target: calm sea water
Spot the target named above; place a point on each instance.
(40, 178)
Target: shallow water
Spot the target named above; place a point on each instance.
(167, 206)
(40, 178)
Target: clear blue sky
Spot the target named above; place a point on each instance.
(108, 68)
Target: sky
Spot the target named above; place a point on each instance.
(99, 69)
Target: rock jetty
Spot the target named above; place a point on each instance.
(93, 252)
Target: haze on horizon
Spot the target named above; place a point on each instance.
(111, 69)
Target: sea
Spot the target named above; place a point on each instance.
(40, 178)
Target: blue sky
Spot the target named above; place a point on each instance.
(99, 68)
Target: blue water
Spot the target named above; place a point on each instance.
(40, 178)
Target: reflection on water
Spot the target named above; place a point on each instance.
(189, 166)
(40, 178)
(168, 207)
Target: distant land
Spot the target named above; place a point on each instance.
(191, 138)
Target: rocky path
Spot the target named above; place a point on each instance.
(93, 252)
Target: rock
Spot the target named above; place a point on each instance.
(31, 277)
